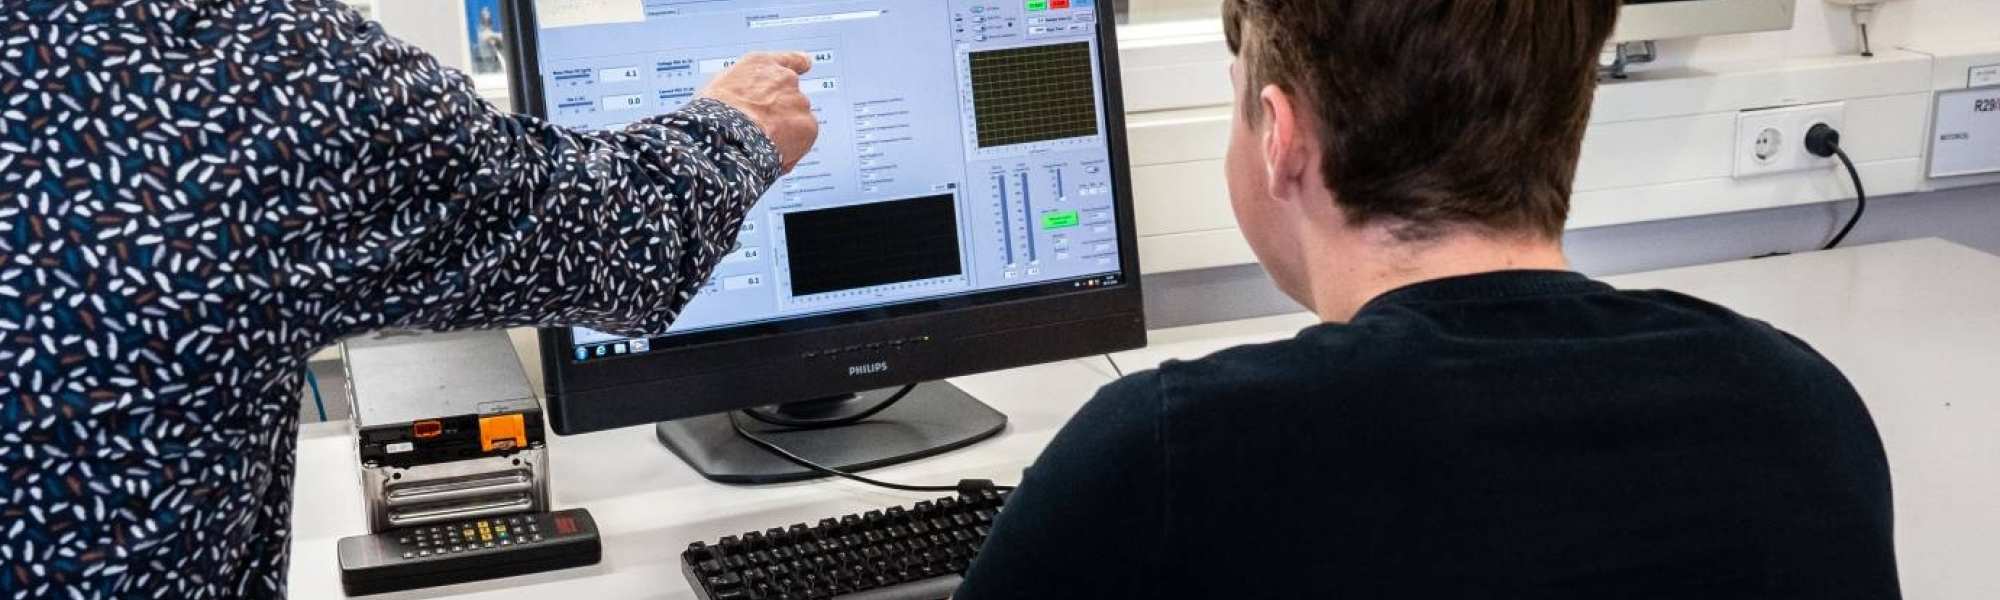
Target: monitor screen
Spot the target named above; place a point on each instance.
(999, 183)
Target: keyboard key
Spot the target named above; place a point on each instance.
(725, 581)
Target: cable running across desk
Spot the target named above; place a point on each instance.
(789, 456)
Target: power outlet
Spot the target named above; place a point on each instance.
(1773, 140)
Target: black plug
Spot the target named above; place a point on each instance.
(1823, 140)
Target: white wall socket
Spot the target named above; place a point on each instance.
(1773, 140)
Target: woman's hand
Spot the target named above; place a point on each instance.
(765, 86)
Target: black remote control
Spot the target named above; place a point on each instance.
(471, 550)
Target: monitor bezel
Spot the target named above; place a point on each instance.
(693, 359)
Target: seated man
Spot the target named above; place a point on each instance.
(1472, 420)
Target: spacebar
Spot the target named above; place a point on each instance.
(936, 588)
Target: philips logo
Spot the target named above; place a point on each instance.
(868, 369)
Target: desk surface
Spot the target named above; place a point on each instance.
(1915, 325)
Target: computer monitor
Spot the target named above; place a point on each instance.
(1643, 20)
(967, 209)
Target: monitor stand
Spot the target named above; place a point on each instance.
(935, 418)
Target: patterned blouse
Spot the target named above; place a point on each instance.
(195, 195)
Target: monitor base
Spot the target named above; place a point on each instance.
(935, 418)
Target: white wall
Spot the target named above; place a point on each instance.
(1969, 216)
(437, 26)
(1822, 29)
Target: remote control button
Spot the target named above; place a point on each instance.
(538, 537)
(424, 553)
(489, 544)
(409, 555)
(506, 543)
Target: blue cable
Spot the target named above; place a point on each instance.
(313, 381)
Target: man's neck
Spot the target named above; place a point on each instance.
(1372, 265)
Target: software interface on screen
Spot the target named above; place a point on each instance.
(962, 146)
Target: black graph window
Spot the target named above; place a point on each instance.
(1034, 94)
(872, 244)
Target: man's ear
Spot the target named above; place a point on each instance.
(1286, 159)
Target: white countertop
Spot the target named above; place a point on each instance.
(1915, 325)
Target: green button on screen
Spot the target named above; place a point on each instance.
(1060, 220)
(1038, 5)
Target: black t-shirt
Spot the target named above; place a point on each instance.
(1523, 434)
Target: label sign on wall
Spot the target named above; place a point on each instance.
(1967, 138)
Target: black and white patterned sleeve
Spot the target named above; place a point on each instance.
(476, 217)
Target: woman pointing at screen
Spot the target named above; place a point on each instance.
(197, 194)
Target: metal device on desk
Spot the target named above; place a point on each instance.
(448, 428)
(454, 466)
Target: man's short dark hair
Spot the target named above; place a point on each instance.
(1435, 113)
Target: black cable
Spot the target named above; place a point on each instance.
(1823, 140)
(1867, 51)
(963, 486)
(1114, 366)
(1860, 200)
(832, 423)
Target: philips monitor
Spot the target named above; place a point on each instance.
(1643, 20)
(966, 209)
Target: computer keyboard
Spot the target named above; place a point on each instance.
(915, 553)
